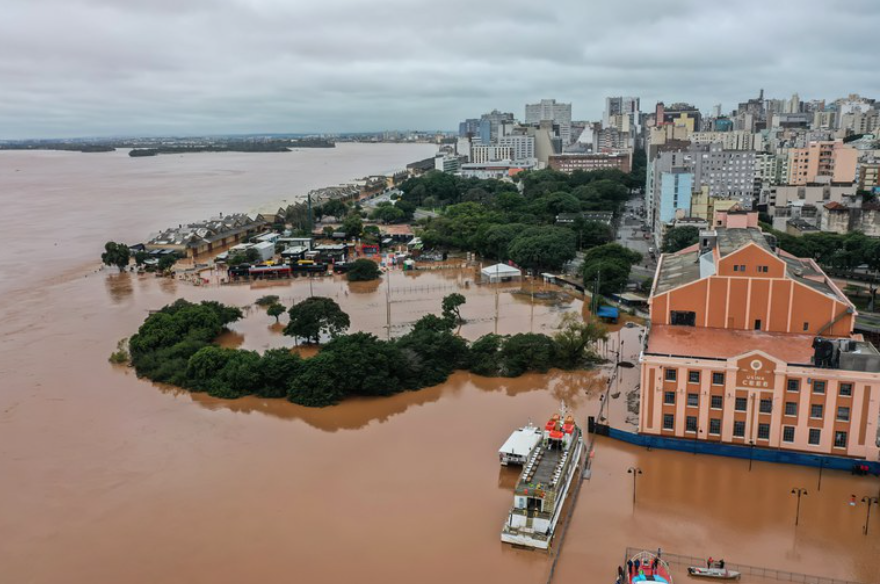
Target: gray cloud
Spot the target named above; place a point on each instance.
(101, 67)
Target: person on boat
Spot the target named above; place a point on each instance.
(654, 564)
(721, 563)
(629, 567)
(709, 562)
(637, 563)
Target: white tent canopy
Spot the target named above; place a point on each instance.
(500, 273)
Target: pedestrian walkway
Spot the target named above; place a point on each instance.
(769, 574)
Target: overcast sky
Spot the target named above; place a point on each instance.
(156, 67)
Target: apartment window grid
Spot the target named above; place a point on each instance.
(691, 424)
(763, 431)
(741, 404)
(794, 385)
(766, 406)
(739, 429)
(818, 386)
(791, 408)
(671, 374)
(669, 398)
(693, 400)
(717, 402)
(715, 426)
(717, 378)
(815, 436)
(840, 439)
(788, 433)
(843, 414)
(845, 389)
(668, 422)
(693, 376)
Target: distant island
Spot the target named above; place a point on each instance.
(255, 146)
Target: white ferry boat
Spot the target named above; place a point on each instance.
(544, 484)
(518, 448)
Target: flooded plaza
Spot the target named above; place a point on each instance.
(108, 478)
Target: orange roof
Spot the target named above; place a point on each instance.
(686, 341)
(404, 229)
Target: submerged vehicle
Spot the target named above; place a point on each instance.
(544, 484)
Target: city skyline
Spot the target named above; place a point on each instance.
(96, 69)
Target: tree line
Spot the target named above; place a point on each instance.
(176, 345)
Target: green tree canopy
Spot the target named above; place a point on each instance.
(314, 317)
(543, 248)
(678, 238)
(353, 225)
(116, 254)
(363, 270)
(276, 310)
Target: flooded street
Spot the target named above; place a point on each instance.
(107, 478)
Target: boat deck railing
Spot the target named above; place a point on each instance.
(745, 570)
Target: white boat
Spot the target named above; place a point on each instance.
(716, 573)
(518, 448)
(544, 484)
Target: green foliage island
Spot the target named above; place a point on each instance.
(176, 346)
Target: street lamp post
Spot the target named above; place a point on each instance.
(799, 492)
(868, 501)
(751, 453)
(821, 468)
(634, 471)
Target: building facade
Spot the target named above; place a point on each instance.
(750, 345)
(549, 110)
(571, 162)
(834, 161)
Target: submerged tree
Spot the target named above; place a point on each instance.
(116, 254)
(276, 310)
(315, 316)
(452, 308)
(576, 338)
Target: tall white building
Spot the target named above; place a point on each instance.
(549, 110)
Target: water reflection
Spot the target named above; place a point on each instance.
(119, 286)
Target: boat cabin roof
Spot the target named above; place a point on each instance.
(522, 441)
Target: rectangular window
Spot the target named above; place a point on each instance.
(816, 411)
(815, 436)
(715, 426)
(735, 268)
(717, 379)
(791, 408)
(843, 414)
(846, 389)
(693, 376)
(742, 268)
(757, 324)
(788, 433)
(806, 326)
(766, 406)
(741, 404)
(763, 269)
(670, 375)
(669, 398)
(794, 385)
(683, 318)
(691, 424)
(818, 386)
(693, 400)
(717, 402)
(763, 431)
(668, 422)
(840, 439)
(739, 429)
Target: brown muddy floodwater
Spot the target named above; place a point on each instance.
(105, 478)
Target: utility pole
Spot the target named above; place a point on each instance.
(388, 303)
(496, 311)
(799, 492)
(634, 471)
(868, 501)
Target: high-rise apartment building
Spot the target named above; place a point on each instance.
(549, 110)
(826, 160)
